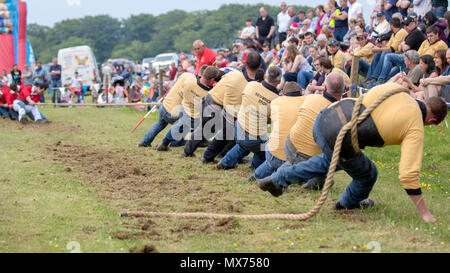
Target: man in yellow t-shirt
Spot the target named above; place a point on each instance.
(283, 116)
(253, 118)
(194, 90)
(399, 120)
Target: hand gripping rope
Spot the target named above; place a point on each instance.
(352, 125)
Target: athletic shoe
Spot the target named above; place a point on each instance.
(141, 145)
(252, 179)
(205, 161)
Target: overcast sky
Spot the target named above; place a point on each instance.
(47, 12)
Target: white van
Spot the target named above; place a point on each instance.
(164, 60)
(79, 59)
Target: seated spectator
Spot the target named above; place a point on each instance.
(365, 54)
(316, 85)
(351, 31)
(27, 100)
(432, 43)
(267, 54)
(428, 66)
(382, 25)
(322, 42)
(4, 109)
(438, 85)
(413, 74)
(306, 27)
(307, 43)
(4, 79)
(335, 54)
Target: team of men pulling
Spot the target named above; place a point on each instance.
(234, 116)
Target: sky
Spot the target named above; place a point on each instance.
(48, 12)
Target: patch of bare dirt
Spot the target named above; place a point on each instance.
(144, 249)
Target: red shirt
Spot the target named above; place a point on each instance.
(4, 94)
(208, 58)
(173, 73)
(27, 91)
(10, 96)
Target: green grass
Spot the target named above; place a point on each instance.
(69, 180)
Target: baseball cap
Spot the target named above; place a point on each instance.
(333, 42)
(408, 20)
(380, 13)
(413, 15)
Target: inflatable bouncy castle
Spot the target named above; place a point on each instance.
(14, 46)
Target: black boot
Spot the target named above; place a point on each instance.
(162, 147)
(267, 184)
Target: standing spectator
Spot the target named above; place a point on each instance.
(27, 75)
(320, 12)
(16, 75)
(292, 13)
(301, 16)
(55, 75)
(139, 69)
(205, 56)
(355, 10)
(283, 19)
(173, 71)
(76, 88)
(403, 6)
(249, 31)
(421, 7)
(341, 26)
(265, 27)
(39, 77)
(314, 20)
(439, 7)
(390, 8)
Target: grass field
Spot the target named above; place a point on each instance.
(64, 184)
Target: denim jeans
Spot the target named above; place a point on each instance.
(244, 145)
(340, 33)
(56, 94)
(303, 78)
(391, 60)
(269, 166)
(290, 76)
(362, 170)
(164, 119)
(362, 70)
(376, 65)
(4, 112)
(180, 129)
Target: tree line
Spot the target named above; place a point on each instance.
(144, 35)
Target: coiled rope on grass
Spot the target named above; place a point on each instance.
(350, 126)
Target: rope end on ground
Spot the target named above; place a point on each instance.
(124, 214)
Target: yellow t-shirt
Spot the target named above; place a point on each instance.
(301, 133)
(172, 102)
(193, 93)
(427, 49)
(284, 112)
(338, 59)
(397, 39)
(255, 109)
(365, 53)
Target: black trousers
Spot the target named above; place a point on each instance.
(224, 140)
(210, 110)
